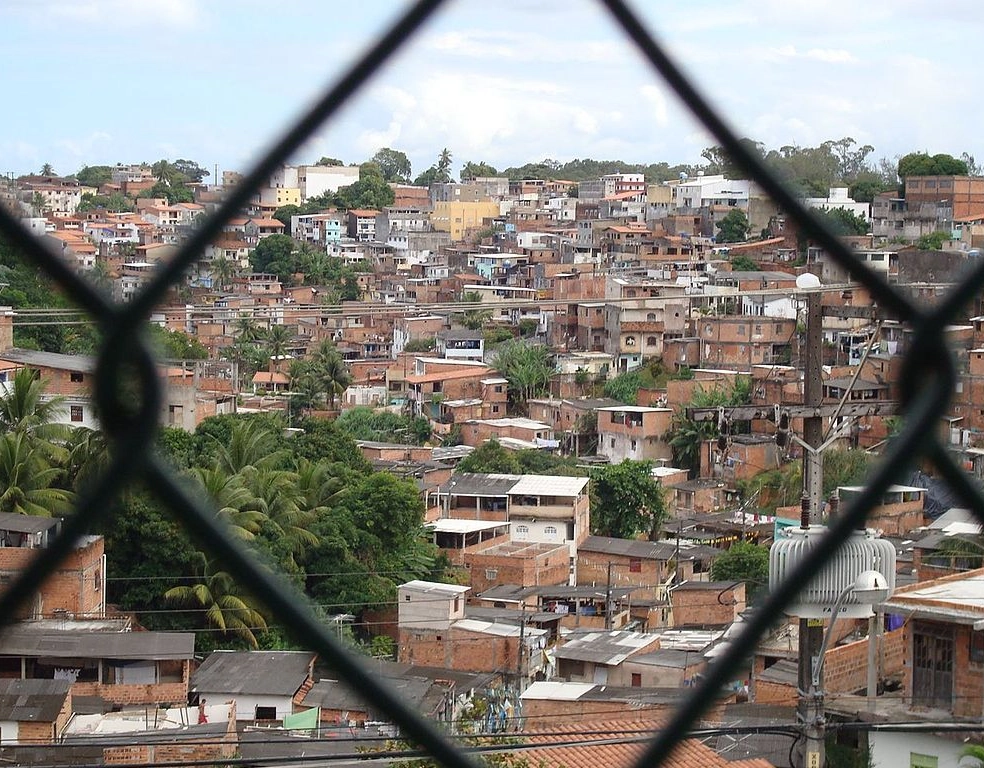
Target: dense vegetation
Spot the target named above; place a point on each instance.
(308, 505)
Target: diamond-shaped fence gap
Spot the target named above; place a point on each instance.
(133, 435)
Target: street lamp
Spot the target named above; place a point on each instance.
(868, 589)
(851, 581)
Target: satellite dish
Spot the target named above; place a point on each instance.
(807, 280)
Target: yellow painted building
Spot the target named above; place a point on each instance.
(458, 217)
(289, 196)
(280, 196)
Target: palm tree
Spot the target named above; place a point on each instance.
(443, 166)
(88, 456)
(223, 271)
(26, 410)
(474, 319)
(247, 330)
(47, 170)
(27, 480)
(305, 384)
(332, 371)
(278, 341)
(251, 444)
(280, 501)
(39, 204)
(247, 356)
(236, 506)
(227, 608)
(163, 172)
(319, 489)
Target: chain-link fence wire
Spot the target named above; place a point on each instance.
(128, 396)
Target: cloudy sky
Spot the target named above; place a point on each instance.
(508, 82)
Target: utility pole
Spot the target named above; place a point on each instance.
(809, 710)
(520, 650)
(608, 598)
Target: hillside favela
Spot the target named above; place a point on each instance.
(535, 443)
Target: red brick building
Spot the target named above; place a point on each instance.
(76, 589)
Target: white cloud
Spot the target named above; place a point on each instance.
(524, 46)
(653, 94)
(831, 55)
(125, 13)
(370, 141)
(83, 147)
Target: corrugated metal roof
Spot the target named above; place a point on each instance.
(556, 691)
(476, 484)
(609, 648)
(26, 523)
(36, 701)
(434, 586)
(78, 363)
(549, 485)
(277, 673)
(334, 694)
(457, 525)
(156, 646)
(501, 630)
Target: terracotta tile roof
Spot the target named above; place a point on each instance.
(267, 223)
(360, 212)
(626, 195)
(471, 373)
(266, 377)
(689, 753)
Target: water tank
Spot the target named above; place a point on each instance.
(863, 551)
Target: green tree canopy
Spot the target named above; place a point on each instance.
(276, 254)
(173, 193)
(188, 171)
(743, 561)
(393, 164)
(365, 423)
(734, 227)
(94, 175)
(933, 241)
(842, 221)
(527, 368)
(370, 191)
(176, 345)
(924, 164)
(627, 500)
(426, 178)
(686, 434)
(742, 263)
(471, 170)
(284, 213)
(490, 456)
(115, 202)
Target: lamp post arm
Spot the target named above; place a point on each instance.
(818, 669)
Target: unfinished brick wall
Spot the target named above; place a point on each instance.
(456, 649)
(644, 575)
(35, 733)
(126, 695)
(707, 605)
(774, 693)
(77, 586)
(846, 667)
(588, 711)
